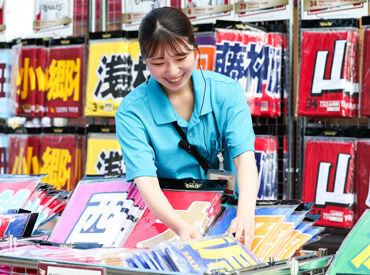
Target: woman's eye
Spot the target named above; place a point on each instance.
(181, 59)
(157, 64)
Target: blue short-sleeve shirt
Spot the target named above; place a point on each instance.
(220, 120)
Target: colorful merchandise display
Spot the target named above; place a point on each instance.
(328, 82)
(365, 86)
(98, 212)
(60, 159)
(104, 155)
(266, 160)
(218, 251)
(198, 208)
(115, 68)
(362, 176)
(65, 81)
(5, 62)
(260, 76)
(328, 180)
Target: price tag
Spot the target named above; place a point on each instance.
(323, 4)
(63, 269)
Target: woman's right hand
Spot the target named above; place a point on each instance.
(188, 232)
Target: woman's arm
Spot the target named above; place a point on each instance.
(247, 177)
(162, 209)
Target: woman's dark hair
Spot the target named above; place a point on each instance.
(165, 28)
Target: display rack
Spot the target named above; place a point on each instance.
(313, 262)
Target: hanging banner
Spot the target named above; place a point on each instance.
(329, 83)
(65, 82)
(353, 255)
(260, 77)
(115, 68)
(23, 154)
(253, 10)
(326, 9)
(59, 161)
(2, 21)
(104, 155)
(362, 177)
(365, 87)
(328, 180)
(27, 82)
(5, 62)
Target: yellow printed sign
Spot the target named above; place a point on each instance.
(324, 4)
(104, 155)
(114, 69)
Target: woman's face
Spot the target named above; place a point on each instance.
(172, 71)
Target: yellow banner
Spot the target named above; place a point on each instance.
(131, 17)
(41, 24)
(112, 73)
(104, 155)
(197, 11)
(323, 4)
(258, 5)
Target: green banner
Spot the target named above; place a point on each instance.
(353, 256)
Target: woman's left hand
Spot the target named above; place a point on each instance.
(243, 228)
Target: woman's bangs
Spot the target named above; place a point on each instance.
(163, 41)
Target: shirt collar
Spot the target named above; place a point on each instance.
(161, 107)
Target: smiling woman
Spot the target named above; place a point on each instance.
(207, 108)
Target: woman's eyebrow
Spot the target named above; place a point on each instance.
(155, 58)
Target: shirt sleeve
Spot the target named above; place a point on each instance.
(239, 132)
(137, 153)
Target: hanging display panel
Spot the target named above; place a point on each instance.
(65, 81)
(42, 54)
(5, 63)
(23, 154)
(60, 160)
(104, 155)
(328, 180)
(328, 80)
(254, 60)
(115, 68)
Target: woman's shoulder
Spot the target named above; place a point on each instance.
(134, 100)
(219, 78)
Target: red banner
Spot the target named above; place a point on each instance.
(328, 81)
(362, 177)
(365, 90)
(328, 180)
(65, 83)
